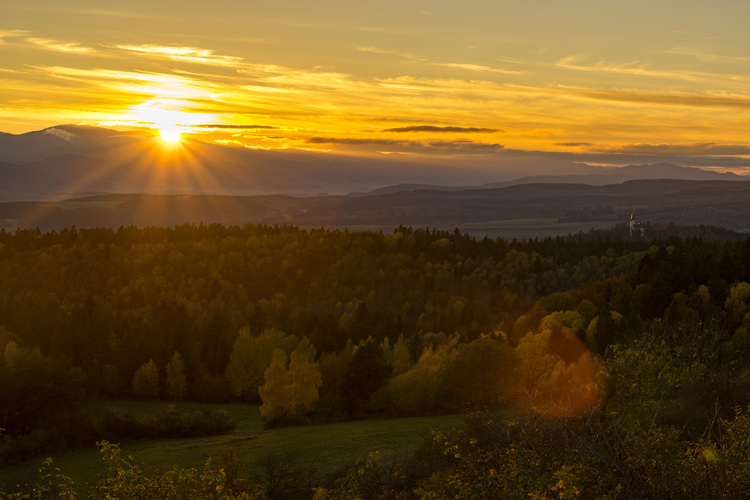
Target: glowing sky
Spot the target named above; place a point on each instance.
(608, 80)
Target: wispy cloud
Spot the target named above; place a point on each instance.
(302, 79)
(359, 142)
(708, 56)
(405, 55)
(65, 9)
(58, 46)
(160, 84)
(12, 34)
(350, 28)
(442, 147)
(183, 53)
(640, 69)
(116, 13)
(208, 127)
(661, 98)
(479, 68)
(693, 149)
(466, 146)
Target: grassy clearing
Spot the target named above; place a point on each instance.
(328, 447)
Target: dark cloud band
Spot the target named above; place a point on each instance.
(432, 128)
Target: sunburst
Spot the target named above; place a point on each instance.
(171, 135)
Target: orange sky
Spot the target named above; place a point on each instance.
(610, 82)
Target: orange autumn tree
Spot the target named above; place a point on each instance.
(559, 375)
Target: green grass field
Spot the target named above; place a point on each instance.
(327, 447)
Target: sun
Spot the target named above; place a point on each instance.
(170, 135)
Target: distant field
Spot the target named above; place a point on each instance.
(520, 229)
(327, 447)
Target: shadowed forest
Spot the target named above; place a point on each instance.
(588, 366)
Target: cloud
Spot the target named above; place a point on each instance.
(183, 53)
(233, 127)
(573, 144)
(113, 13)
(442, 147)
(693, 149)
(358, 142)
(62, 134)
(480, 68)
(466, 145)
(706, 56)
(432, 128)
(462, 66)
(11, 33)
(70, 47)
(134, 82)
(639, 154)
(639, 69)
(406, 55)
(660, 98)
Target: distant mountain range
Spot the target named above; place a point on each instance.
(618, 175)
(93, 177)
(70, 161)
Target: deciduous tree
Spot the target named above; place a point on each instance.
(290, 389)
(176, 382)
(146, 380)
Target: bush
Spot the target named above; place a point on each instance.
(115, 425)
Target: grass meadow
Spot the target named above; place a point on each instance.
(326, 447)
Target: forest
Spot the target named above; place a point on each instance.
(588, 366)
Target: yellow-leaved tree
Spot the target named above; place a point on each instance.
(291, 388)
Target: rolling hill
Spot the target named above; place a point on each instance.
(718, 203)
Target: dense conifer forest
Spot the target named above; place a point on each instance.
(592, 366)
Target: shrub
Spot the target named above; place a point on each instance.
(115, 425)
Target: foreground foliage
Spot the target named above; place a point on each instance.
(600, 455)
